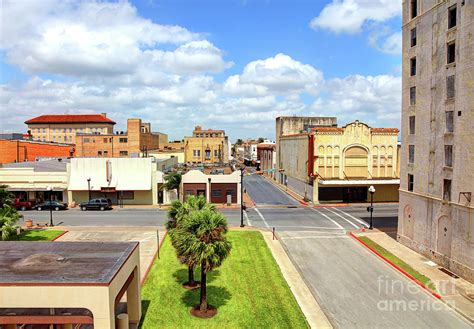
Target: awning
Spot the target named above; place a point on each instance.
(33, 189)
(358, 182)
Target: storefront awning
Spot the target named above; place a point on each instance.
(358, 182)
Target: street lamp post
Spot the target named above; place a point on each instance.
(89, 187)
(242, 197)
(371, 208)
(50, 189)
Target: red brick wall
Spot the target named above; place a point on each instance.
(11, 151)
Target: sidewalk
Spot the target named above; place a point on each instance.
(310, 307)
(457, 293)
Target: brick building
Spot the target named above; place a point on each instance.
(63, 128)
(206, 146)
(21, 150)
(137, 140)
(266, 156)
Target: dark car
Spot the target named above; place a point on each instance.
(96, 204)
(54, 205)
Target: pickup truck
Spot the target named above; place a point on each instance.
(22, 205)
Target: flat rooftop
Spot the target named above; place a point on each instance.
(62, 263)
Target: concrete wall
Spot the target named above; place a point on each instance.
(423, 213)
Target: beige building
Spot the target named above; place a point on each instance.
(137, 140)
(340, 163)
(206, 146)
(436, 214)
(125, 181)
(63, 128)
(70, 284)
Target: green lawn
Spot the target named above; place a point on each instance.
(37, 235)
(248, 290)
(394, 259)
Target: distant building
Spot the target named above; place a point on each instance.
(436, 213)
(22, 150)
(137, 140)
(250, 152)
(340, 163)
(169, 150)
(15, 136)
(63, 128)
(206, 146)
(266, 156)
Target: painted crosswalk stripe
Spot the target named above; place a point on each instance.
(335, 213)
(261, 216)
(355, 218)
(247, 219)
(326, 216)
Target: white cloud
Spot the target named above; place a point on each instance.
(279, 74)
(387, 41)
(348, 16)
(99, 39)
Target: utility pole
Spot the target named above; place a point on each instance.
(242, 197)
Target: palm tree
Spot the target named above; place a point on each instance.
(8, 218)
(5, 196)
(178, 212)
(201, 238)
(172, 182)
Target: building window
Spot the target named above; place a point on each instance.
(215, 153)
(448, 155)
(447, 190)
(231, 192)
(85, 140)
(99, 153)
(44, 131)
(411, 153)
(123, 153)
(64, 130)
(127, 195)
(216, 193)
(207, 155)
(451, 55)
(106, 140)
(412, 124)
(450, 86)
(410, 182)
(452, 11)
(413, 37)
(70, 130)
(413, 8)
(412, 95)
(106, 153)
(413, 66)
(123, 140)
(450, 121)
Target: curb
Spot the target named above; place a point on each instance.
(153, 260)
(405, 273)
(60, 235)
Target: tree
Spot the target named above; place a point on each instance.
(178, 212)
(5, 196)
(201, 238)
(260, 140)
(172, 182)
(239, 141)
(8, 218)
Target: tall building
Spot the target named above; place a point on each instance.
(436, 214)
(206, 146)
(63, 128)
(137, 141)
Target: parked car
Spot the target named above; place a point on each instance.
(47, 205)
(97, 204)
(22, 205)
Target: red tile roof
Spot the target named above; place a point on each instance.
(70, 118)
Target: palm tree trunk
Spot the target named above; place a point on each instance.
(203, 305)
(191, 276)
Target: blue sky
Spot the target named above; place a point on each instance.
(232, 65)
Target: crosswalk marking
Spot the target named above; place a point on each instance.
(326, 216)
(335, 213)
(349, 215)
(261, 216)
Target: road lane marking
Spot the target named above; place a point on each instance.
(314, 237)
(338, 215)
(261, 216)
(247, 219)
(357, 219)
(324, 215)
(315, 227)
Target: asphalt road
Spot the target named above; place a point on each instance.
(264, 193)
